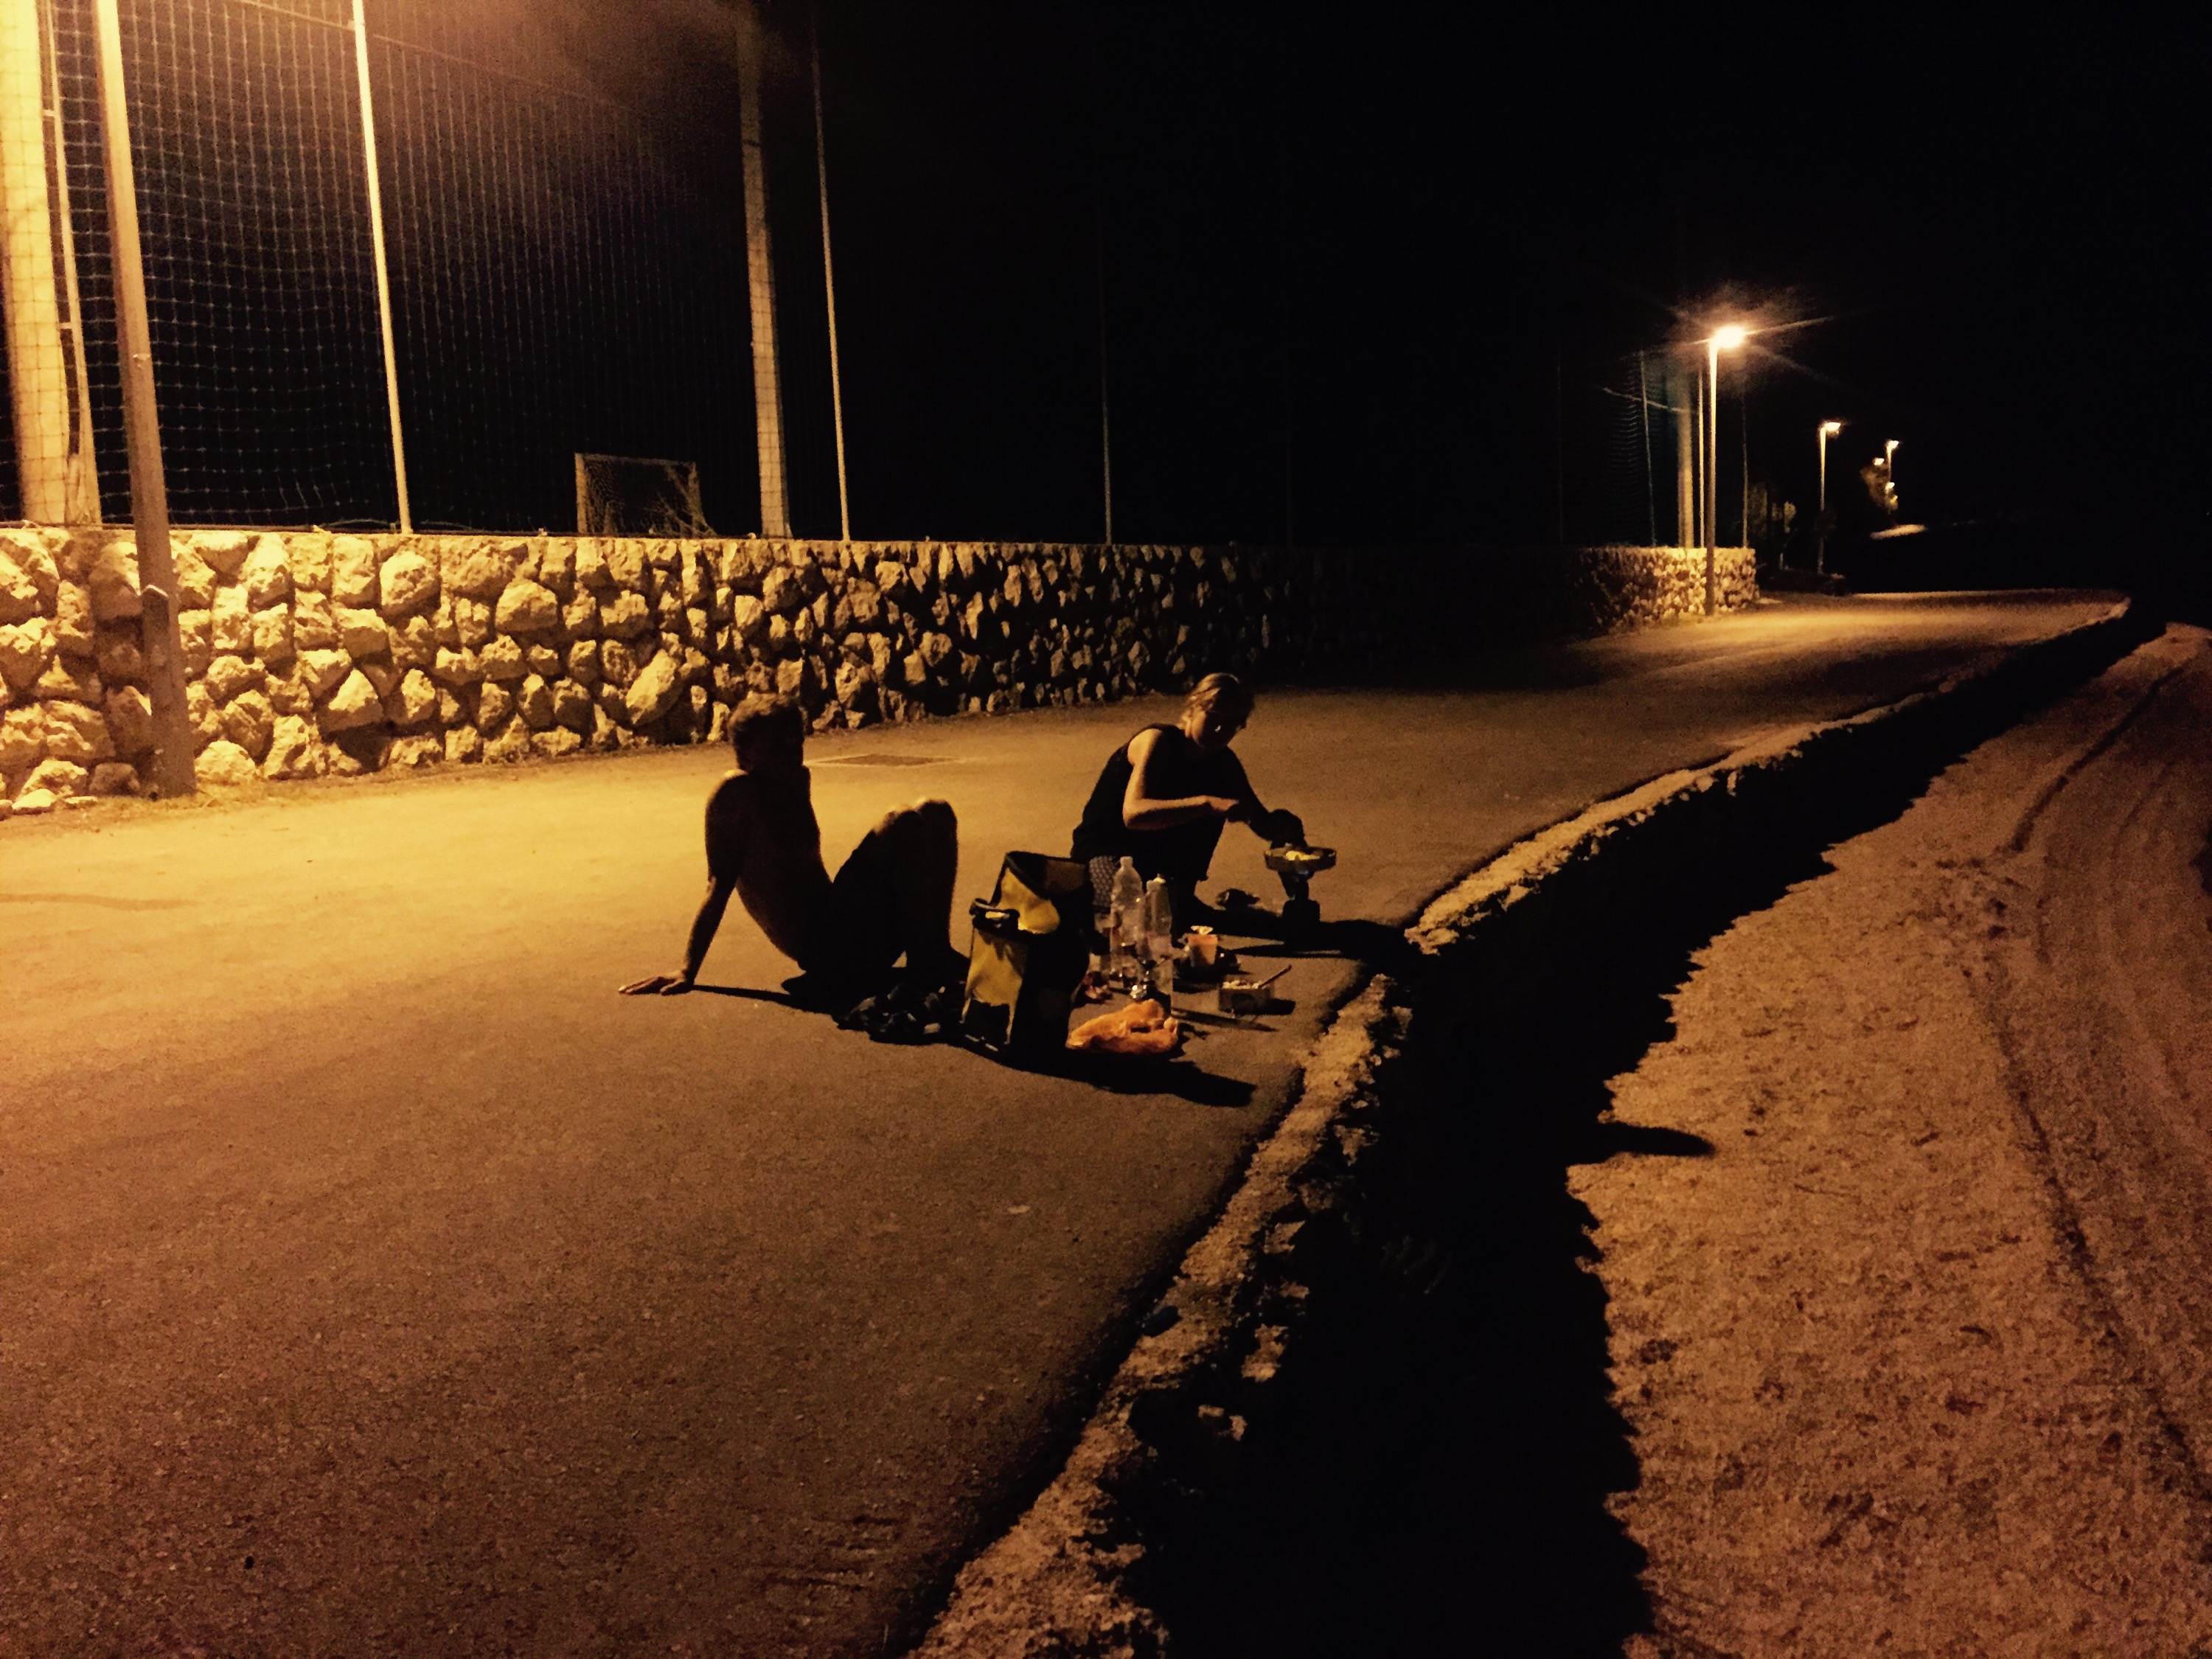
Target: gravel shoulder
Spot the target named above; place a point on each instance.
(1900, 1376)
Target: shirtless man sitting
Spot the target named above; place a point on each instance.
(892, 898)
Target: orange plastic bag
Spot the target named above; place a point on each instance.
(1142, 1028)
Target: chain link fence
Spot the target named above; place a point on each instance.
(558, 284)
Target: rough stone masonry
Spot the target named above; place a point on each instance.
(309, 653)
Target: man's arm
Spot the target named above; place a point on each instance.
(726, 826)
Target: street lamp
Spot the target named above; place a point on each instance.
(1828, 430)
(1889, 473)
(1727, 337)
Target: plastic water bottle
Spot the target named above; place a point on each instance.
(1126, 922)
(1159, 920)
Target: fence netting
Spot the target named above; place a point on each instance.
(558, 284)
(1618, 447)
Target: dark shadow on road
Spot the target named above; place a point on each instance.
(1180, 1078)
(1429, 1473)
(1373, 943)
(752, 993)
(1432, 1478)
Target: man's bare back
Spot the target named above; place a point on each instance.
(763, 836)
(892, 898)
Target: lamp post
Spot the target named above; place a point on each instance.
(1828, 430)
(1727, 337)
(1889, 473)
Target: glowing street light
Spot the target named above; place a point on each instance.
(1828, 430)
(1727, 337)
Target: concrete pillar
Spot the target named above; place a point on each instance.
(767, 387)
(37, 379)
(1681, 398)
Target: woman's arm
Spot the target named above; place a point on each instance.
(1271, 826)
(1142, 810)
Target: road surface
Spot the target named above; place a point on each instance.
(376, 1280)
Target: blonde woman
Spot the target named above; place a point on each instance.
(1164, 794)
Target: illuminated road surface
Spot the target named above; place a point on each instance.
(375, 1280)
(1916, 1360)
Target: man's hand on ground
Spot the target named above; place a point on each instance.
(660, 985)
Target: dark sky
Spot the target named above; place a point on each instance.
(1354, 251)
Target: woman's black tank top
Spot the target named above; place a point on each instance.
(1179, 769)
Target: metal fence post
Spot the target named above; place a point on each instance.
(173, 773)
(383, 272)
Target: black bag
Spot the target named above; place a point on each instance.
(1031, 946)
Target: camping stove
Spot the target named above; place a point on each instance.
(1297, 866)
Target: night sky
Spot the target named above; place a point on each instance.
(1371, 274)
(1361, 246)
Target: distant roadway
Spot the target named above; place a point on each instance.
(374, 1280)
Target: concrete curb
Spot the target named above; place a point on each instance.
(1065, 1579)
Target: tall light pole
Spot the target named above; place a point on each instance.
(828, 280)
(1889, 472)
(1727, 337)
(1828, 430)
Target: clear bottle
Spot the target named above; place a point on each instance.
(1126, 923)
(1159, 920)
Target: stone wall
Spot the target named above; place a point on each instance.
(311, 654)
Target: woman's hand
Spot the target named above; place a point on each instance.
(1228, 807)
(658, 985)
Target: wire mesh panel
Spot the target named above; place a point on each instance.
(558, 286)
(559, 290)
(1626, 497)
(245, 133)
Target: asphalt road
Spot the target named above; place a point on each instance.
(376, 1280)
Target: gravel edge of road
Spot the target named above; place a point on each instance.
(1060, 1581)
(1882, 1394)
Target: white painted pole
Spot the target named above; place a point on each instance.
(382, 270)
(829, 282)
(1821, 522)
(760, 271)
(37, 381)
(172, 770)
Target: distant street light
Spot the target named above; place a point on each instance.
(1889, 474)
(1727, 337)
(1828, 430)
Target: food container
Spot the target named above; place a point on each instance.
(1243, 996)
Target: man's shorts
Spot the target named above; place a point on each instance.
(860, 924)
